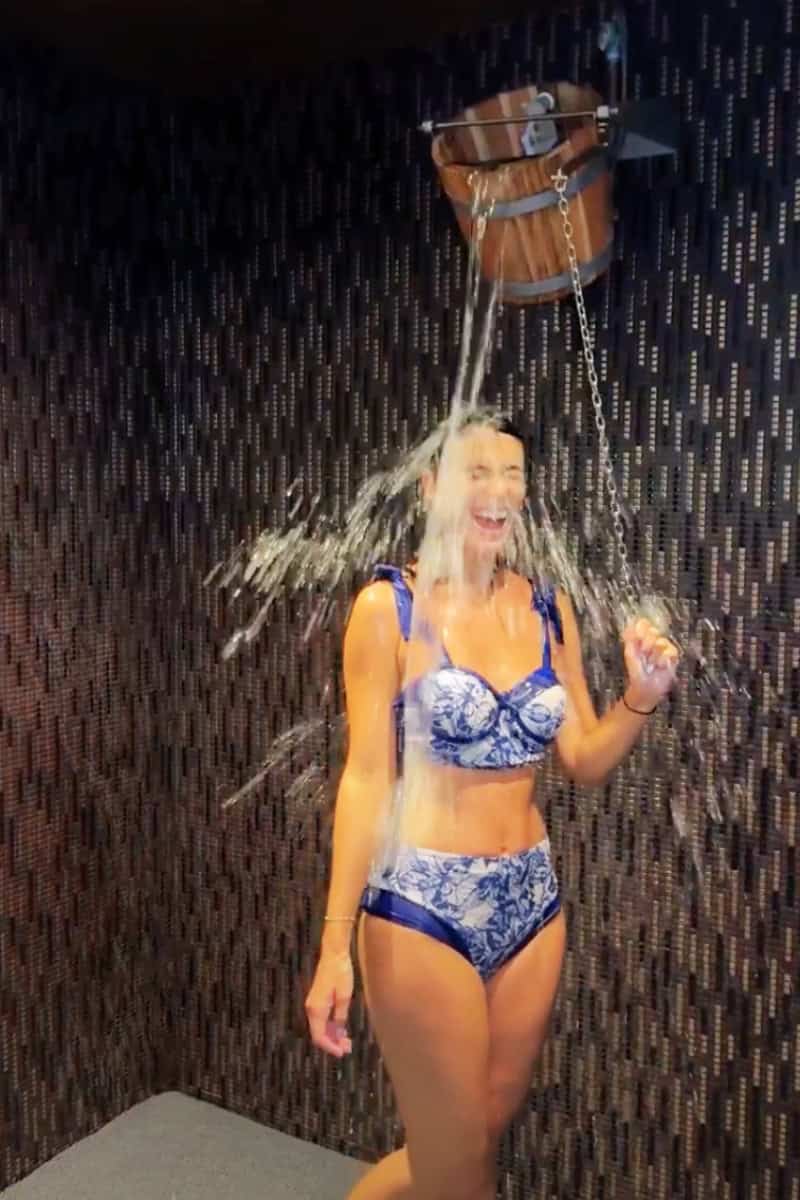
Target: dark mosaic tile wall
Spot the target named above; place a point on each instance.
(85, 665)
(200, 302)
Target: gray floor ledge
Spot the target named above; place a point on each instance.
(173, 1147)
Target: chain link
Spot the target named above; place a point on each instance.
(560, 183)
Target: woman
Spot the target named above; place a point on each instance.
(461, 938)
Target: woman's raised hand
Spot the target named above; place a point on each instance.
(651, 661)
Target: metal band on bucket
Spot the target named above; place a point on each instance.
(582, 178)
(543, 287)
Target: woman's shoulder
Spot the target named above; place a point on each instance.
(374, 598)
(375, 605)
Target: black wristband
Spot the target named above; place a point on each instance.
(640, 712)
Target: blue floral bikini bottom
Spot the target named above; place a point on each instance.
(486, 907)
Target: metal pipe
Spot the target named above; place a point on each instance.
(598, 114)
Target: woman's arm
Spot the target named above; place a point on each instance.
(590, 747)
(371, 682)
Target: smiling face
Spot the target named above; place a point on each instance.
(494, 465)
(481, 484)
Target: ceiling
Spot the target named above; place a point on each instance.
(197, 44)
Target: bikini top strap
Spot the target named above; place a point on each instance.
(403, 596)
(544, 601)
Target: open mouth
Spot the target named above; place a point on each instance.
(494, 524)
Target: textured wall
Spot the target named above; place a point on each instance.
(84, 677)
(200, 302)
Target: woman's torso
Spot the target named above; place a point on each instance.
(498, 647)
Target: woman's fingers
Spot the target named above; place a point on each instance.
(664, 653)
(340, 1010)
(329, 1035)
(648, 642)
(327, 1024)
(650, 657)
(317, 1013)
(339, 1037)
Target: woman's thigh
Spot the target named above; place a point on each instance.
(428, 1010)
(520, 1001)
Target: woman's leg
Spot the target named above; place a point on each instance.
(389, 1179)
(520, 998)
(428, 1010)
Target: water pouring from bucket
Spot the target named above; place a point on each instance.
(517, 143)
(533, 188)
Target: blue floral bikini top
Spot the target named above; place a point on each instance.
(465, 721)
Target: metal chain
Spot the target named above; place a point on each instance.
(560, 183)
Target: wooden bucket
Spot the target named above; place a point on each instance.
(524, 241)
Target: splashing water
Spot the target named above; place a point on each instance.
(318, 557)
(308, 788)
